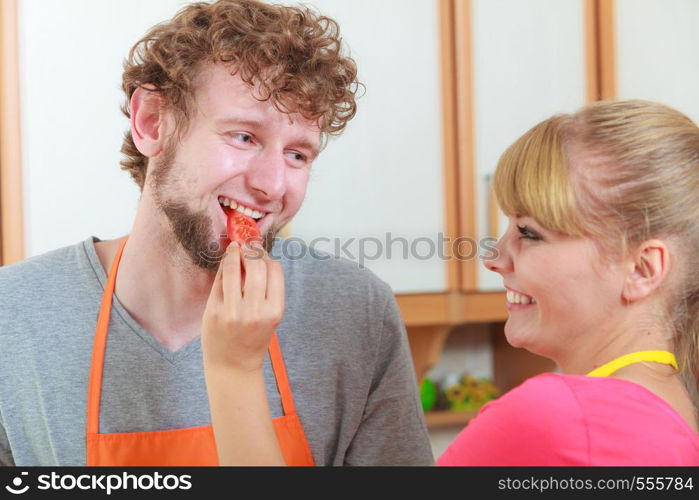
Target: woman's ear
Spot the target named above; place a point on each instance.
(147, 121)
(647, 270)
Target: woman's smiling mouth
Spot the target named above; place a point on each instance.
(517, 300)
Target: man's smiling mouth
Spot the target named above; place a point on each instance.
(227, 204)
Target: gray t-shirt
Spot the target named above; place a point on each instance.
(342, 338)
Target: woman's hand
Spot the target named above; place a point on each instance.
(245, 306)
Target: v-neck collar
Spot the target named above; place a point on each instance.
(172, 356)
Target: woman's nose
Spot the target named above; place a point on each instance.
(499, 260)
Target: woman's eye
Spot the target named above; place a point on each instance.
(527, 233)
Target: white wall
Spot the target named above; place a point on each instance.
(71, 54)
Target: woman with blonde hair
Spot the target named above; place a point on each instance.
(601, 268)
(602, 276)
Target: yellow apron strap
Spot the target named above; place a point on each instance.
(664, 357)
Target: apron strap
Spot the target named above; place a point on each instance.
(664, 357)
(100, 345)
(275, 355)
(94, 390)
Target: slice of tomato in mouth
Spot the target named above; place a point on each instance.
(241, 228)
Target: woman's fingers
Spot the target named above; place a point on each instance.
(275, 286)
(245, 306)
(216, 294)
(217, 288)
(257, 298)
(230, 268)
(255, 286)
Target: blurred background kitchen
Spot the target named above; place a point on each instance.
(449, 85)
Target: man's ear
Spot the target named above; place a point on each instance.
(148, 125)
(647, 270)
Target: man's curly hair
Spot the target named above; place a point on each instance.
(292, 55)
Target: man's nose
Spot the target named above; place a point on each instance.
(268, 175)
(501, 260)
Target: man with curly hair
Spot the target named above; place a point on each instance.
(229, 104)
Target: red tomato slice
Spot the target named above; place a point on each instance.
(242, 229)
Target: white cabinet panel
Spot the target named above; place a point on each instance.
(383, 178)
(657, 52)
(528, 64)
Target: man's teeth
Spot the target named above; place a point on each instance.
(516, 298)
(240, 208)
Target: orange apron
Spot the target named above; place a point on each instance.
(191, 446)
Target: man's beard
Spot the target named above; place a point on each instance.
(193, 229)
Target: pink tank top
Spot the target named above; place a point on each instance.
(572, 420)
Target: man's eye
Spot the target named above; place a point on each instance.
(245, 138)
(296, 156)
(527, 233)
